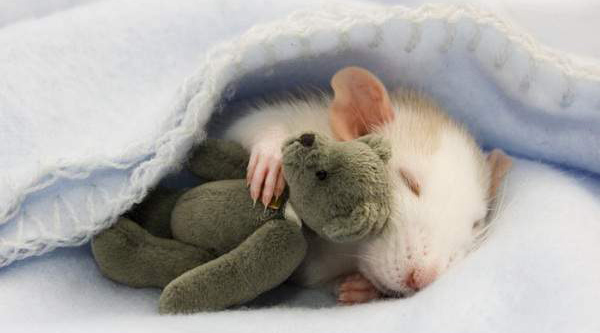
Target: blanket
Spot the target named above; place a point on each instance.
(98, 105)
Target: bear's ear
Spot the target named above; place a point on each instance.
(380, 146)
(499, 164)
(360, 103)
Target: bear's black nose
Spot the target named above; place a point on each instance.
(307, 139)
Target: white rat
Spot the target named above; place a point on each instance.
(442, 183)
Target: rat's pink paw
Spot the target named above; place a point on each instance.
(356, 289)
(264, 175)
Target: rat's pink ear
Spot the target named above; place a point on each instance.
(360, 103)
(499, 163)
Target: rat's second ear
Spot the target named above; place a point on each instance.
(379, 145)
(360, 103)
(499, 164)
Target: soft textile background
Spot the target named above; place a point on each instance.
(120, 64)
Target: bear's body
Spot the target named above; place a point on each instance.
(211, 247)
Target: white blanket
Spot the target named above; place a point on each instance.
(90, 119)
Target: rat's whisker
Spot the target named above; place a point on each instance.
(367, 258)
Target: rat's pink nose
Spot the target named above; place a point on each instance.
(419, 278)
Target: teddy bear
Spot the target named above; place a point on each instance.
(211, 247)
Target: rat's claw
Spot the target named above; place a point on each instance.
(357, 289)
(269, 185)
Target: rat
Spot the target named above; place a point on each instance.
(443, 184)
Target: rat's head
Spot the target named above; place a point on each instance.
(437, 218)
(339, 189)
(441, 183)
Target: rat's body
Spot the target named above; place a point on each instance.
(441, 182)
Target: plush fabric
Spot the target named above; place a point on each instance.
(89, 120)
(224, 249)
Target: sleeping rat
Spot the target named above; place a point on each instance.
(442, 183)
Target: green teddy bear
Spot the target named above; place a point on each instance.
(210, 247)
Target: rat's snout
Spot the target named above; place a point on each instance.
(307, 139)
(419, 278)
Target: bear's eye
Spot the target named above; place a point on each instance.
(321, 174)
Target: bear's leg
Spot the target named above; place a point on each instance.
(263, 261)
(216, 159)
(154, 213)
(128, 254)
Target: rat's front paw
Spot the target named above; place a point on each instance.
(356, 289)
(264, 175)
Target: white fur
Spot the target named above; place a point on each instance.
(431, 229)
(273, 123)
